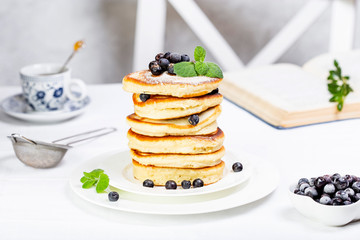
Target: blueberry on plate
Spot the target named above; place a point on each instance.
(113, 196)
(325, 199)
(198, 183)
(148, 183)
(185, 184)
(304, 186)
(320, 182)
(194, 119)
(329, 188)
(144, 97)
(237, 167)
(170, 184)
(356, 186)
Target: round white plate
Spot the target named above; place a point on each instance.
(119, 169)
(15, 106)
(264, 179)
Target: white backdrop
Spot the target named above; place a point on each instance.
(34, 31)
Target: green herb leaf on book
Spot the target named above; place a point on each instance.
(338, 86)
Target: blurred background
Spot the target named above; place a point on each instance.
(37, 31)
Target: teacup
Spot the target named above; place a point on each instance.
(46, 89)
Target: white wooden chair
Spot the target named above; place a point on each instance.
(150, 39)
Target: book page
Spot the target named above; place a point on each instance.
(286, 86)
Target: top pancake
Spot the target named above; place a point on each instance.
(171, 85)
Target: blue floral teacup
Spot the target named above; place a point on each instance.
(46, 89)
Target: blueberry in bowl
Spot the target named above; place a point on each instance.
(333, 202)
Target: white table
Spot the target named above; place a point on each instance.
(39, 204)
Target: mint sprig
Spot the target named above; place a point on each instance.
(338, 86)
(199, 67)
(96, 178)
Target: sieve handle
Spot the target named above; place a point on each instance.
(101, 131)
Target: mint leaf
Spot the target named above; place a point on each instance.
(84, 179)
(201, 68)
(88, 175)
(103, 183)
(96, 172)
(214, 71)
(185, 69)
(199, 54)
(89, 183)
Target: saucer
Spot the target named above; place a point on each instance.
(16, 107)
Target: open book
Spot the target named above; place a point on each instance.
(286, 95)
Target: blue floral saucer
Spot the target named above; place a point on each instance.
(15, 106)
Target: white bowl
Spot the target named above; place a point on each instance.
(329, 215)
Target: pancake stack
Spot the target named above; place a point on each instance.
(174, 134)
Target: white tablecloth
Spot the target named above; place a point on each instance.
(39, 204)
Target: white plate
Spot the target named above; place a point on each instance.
(119, 167)
(264, 179)
(15, 106)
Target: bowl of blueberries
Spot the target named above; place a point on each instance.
(330, 199)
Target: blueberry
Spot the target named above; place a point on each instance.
(337, 201)
(355, 178)
(170, 184)
(341, 183)
(156, 69)
(185, 184)
(215, 91)
(170, 69)
(311, 192)
(327, 178)
(167, 55)
(158, 56)
(296, 190)
(113, 196)
(320, 182)
(152, 63)
(329, 188)
(198, 183)
(350, 192)
(349, 178)
(356, 197)
(164, 63)
(312, 181)
(346, 202)
(342, 194)
(144, 97)
(185, 58)
(356, 186)
(335, 176)
(304, 186)
(194, 119)
(148, 183)
(303, 180)
(325, 199)
(237, 167)
(175, 58)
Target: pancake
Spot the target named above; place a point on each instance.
(176, 144)
(159, 175)
(167, 107)
(178, 160)
(178, 126)
(171, 85)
